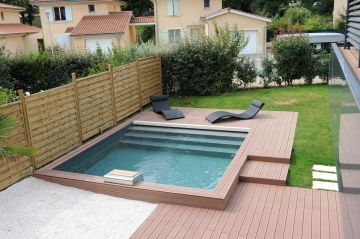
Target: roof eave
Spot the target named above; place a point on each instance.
(227, 10)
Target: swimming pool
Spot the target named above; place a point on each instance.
(187, 157)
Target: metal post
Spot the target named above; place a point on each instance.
(50, 34)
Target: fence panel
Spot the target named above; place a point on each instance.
(150, 78)
(95, 104)
(15, 168)
(60, 119)
(53, 123)
(126, 89)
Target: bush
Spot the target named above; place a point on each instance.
(41, 71)
(293, 57)
(7, 96)
(300, 19)
(206, 65)
(323, 65)
(268, 72)
(245, 71)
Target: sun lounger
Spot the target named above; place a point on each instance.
(160, 105)
(254, 108)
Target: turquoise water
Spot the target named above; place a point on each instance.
(172, 156)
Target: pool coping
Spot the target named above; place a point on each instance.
(216, 199)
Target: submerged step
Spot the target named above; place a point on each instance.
(264, 172)
(176, 146)
(177, 131)
(184, 139)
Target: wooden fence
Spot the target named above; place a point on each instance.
(58, 120)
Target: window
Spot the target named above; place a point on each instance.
(173, 7)
(206, 3)
(2, 16)
(91, 8)
(174, 35)
(59, 14)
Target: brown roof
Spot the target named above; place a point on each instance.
(17, 28)
(52, 1)
(8, 6)
(114, 23)
(69, 29)
(142, 20)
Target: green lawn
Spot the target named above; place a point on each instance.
(313, 139)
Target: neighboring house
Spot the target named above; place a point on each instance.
(176, 19)
(15, 36)
(88, 24)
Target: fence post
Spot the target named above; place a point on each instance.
(139, 83)
(112, 92)
(77, 105)
(160, 66)
(25, 117)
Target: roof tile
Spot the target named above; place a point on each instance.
(113, 23)
(17, 28)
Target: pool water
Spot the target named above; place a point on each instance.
(174, 156)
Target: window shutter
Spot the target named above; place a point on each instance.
(170, 7)
(51, 14)
(165, 37)
(68, 13)
(176, 7)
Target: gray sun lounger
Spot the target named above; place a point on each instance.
(250, 113)
(160, 105)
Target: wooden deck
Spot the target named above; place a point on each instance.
(270, 139)
(254, 211)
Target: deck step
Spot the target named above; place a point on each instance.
(194, 132)
(264, 172)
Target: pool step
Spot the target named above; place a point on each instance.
(196, 132)
(180, 147)
(264, 172)
(184, 139)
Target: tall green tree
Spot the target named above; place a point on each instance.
(268, 8)
(140, 7)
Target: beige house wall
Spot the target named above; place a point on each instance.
(10, 16)
(245, 24)
(123, 40)
(190, 13)
(21, 43)
(340, 6)
(78, 9)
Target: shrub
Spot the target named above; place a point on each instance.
(293, 56)
(268, 72)
(41, 71)
(6, 96)
(323, 65)
(318, 22)
(297, 15)
(205, 65)
(245, 71)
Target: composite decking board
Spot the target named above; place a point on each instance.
(260, 209)
(299, 214)
(264, 172)
(237, 216)
(290, 216)
(324, 226)
(316, 215)
(236, 200)
(262, 225)
(307, 214)
(256, 211)
(275, 210)
(333, 222)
